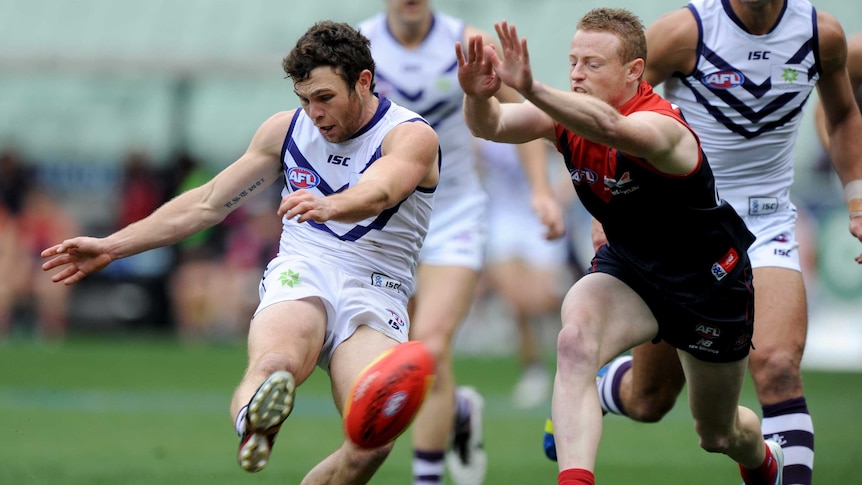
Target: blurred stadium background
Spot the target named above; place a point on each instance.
(108, 106)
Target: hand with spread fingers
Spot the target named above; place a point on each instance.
(514, 67)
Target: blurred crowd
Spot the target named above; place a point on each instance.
(204, 289)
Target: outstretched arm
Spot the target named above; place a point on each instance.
(182, 216)
(661, 140)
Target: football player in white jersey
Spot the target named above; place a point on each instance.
(360, 174)
(416, 67)
(741, 71)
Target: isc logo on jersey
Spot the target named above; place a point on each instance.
(723, 79)
(302, 178)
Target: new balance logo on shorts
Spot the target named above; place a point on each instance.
(725, 265)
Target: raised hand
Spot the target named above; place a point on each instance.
(514, 66)
(475, 70)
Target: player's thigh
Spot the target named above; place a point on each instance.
(510, 280)
(352, 356)
(604, 316)
(290, 331)
(442, 300)
(780, 328)
(713, 391)
(780, 311)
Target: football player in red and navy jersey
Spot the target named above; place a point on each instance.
(675, 267)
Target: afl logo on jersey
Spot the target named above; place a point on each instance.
(302, 178)
(723, 79)
(582, 175)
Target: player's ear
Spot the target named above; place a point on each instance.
(636, 69)
(363, 84)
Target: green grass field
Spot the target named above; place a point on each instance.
(155, 412)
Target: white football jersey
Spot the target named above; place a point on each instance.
(745, 99)
(425, 80)
(387, 245)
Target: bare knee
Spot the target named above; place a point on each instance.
(268, 363)
(711, 440)
(776, 374)
(651, 406)
(650, 396)
(714, 444)
(573, 354)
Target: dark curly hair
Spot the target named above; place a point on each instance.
(333, 44)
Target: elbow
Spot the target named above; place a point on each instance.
(479, 133)
(612, 127)
(480, 126)
(212, 217)
(485, 132)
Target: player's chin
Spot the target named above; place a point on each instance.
(331, 134)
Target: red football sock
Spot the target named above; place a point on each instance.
(576, 476)
(762, 475)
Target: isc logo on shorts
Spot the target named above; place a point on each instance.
(757, 206)
(382, 281)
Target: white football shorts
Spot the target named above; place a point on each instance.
(350, 300)
(776, 243)
(456, 234)
(514, 232)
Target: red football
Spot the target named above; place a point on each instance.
(387, 394)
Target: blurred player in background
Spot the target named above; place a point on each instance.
(360, 176)
(412, 47)
(528, 271)
(741, 71)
